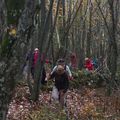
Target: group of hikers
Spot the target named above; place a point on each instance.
(61, 73)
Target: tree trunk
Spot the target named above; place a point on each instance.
(88, 47)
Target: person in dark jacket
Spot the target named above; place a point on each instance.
(66, 68)
(61, 82)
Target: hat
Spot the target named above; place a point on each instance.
(36, 49)
(86, 59)
(60, 61)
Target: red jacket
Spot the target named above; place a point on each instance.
(35, 58)
(88, 64)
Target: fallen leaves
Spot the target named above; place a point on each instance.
(79, 106)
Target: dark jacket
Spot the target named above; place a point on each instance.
(61, 81)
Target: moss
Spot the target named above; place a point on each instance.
(14, 9)
(4, 45)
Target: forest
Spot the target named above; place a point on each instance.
(59, 59)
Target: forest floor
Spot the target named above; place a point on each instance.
(82, 104)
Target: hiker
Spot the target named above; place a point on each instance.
(12, 38)
(34, 62)
(73, 61)
(95, 63)
(25, 67)
(66, 67)
(61, 82)
(48, 62)
(88, 64)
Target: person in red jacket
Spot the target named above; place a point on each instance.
(88, 64)
(35, 57)
(34, 62)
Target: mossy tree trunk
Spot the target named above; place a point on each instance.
(9, 63)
